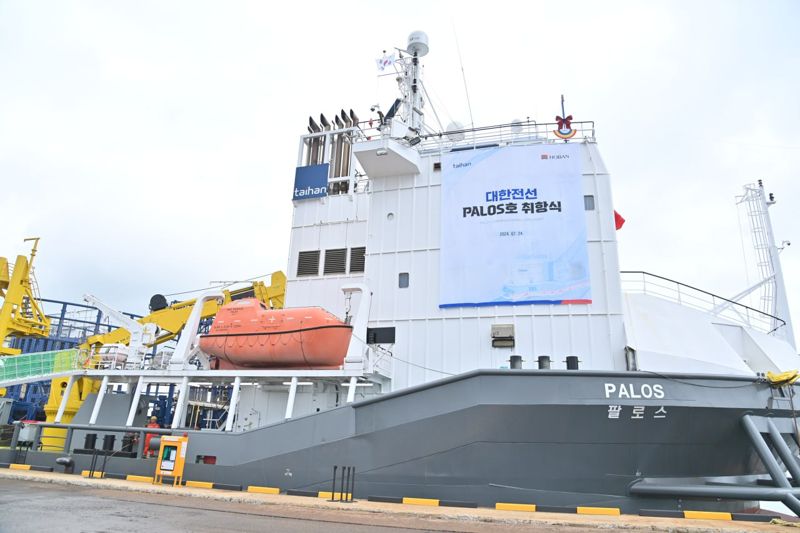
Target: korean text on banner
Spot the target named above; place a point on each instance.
(513, 227)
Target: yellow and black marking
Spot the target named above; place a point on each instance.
(532, 508)
(19, 466)
(263, 490)
(707, 515)
(142, 479)
(429, 502)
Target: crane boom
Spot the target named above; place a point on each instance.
(21, 314)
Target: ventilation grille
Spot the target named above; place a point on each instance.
(308, 263)
(334, 261)
(357, 259)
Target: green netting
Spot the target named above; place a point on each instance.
(38, 364)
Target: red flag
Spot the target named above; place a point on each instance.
(618, 220)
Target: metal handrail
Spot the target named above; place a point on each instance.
(759, 316)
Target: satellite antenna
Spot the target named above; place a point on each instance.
(418, 44)
(417, 47)
(455, 131)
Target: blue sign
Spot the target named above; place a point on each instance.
(310, 182)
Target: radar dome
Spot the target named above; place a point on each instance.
(418, 43)
(454, 132)
(516, 126)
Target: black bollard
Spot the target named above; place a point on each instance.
(333, 486)
(352, 490)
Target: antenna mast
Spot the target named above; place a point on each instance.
(411, 81)
(773, 297)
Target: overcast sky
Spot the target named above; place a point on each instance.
(152, 145)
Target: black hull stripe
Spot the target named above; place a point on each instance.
(213, 335)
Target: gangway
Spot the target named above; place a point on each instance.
(32, 367)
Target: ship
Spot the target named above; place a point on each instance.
(457, 328)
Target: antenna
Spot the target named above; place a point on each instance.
(417, 47)
(463, 77)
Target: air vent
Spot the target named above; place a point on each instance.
(588, 202)
(334, 261)
(357, 259)
(308, 263)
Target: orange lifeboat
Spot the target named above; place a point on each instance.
(245, 334)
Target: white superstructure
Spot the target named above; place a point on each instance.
(390, 211)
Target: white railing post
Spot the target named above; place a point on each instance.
(351, 391)
(183, 393)
(64, 399)
(290, 402)
(98, 401)
(237, 383)
(135, 403)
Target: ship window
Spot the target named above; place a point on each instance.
(437, 167)
(334, 261)
(357, 259)
(308, 263)
(403, 280)
(588, 202)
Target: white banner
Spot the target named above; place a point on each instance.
(513, 227)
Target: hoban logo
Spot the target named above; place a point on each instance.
(555, 156)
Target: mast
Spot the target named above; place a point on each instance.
(411, 82)
(773, 299)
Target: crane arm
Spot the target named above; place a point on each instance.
(172, 319)
(21, 314)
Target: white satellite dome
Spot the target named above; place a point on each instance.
(456, 127)
(418, 43)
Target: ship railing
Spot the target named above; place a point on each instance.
(500, 134)
(694, 298)
(41, 364)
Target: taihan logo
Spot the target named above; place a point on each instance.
(555, 156)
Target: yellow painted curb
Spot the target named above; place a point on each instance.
(143, 479)
(334, 495)
(707, 515)
(263, 490)
(200, 484)
(421, 501)
(85, 473)
(16, 466)
(609, 511)
(515, 507)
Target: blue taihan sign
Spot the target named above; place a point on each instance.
(310, 182)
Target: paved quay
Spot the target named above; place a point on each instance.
(53, 501)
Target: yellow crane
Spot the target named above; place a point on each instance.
(21, 314)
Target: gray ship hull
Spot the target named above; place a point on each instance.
(552, 438)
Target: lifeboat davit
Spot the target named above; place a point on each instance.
(245, 334)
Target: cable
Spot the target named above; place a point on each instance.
(749, 384)
(422, 367)
(217, 286)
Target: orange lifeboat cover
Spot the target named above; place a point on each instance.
(245, 334)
